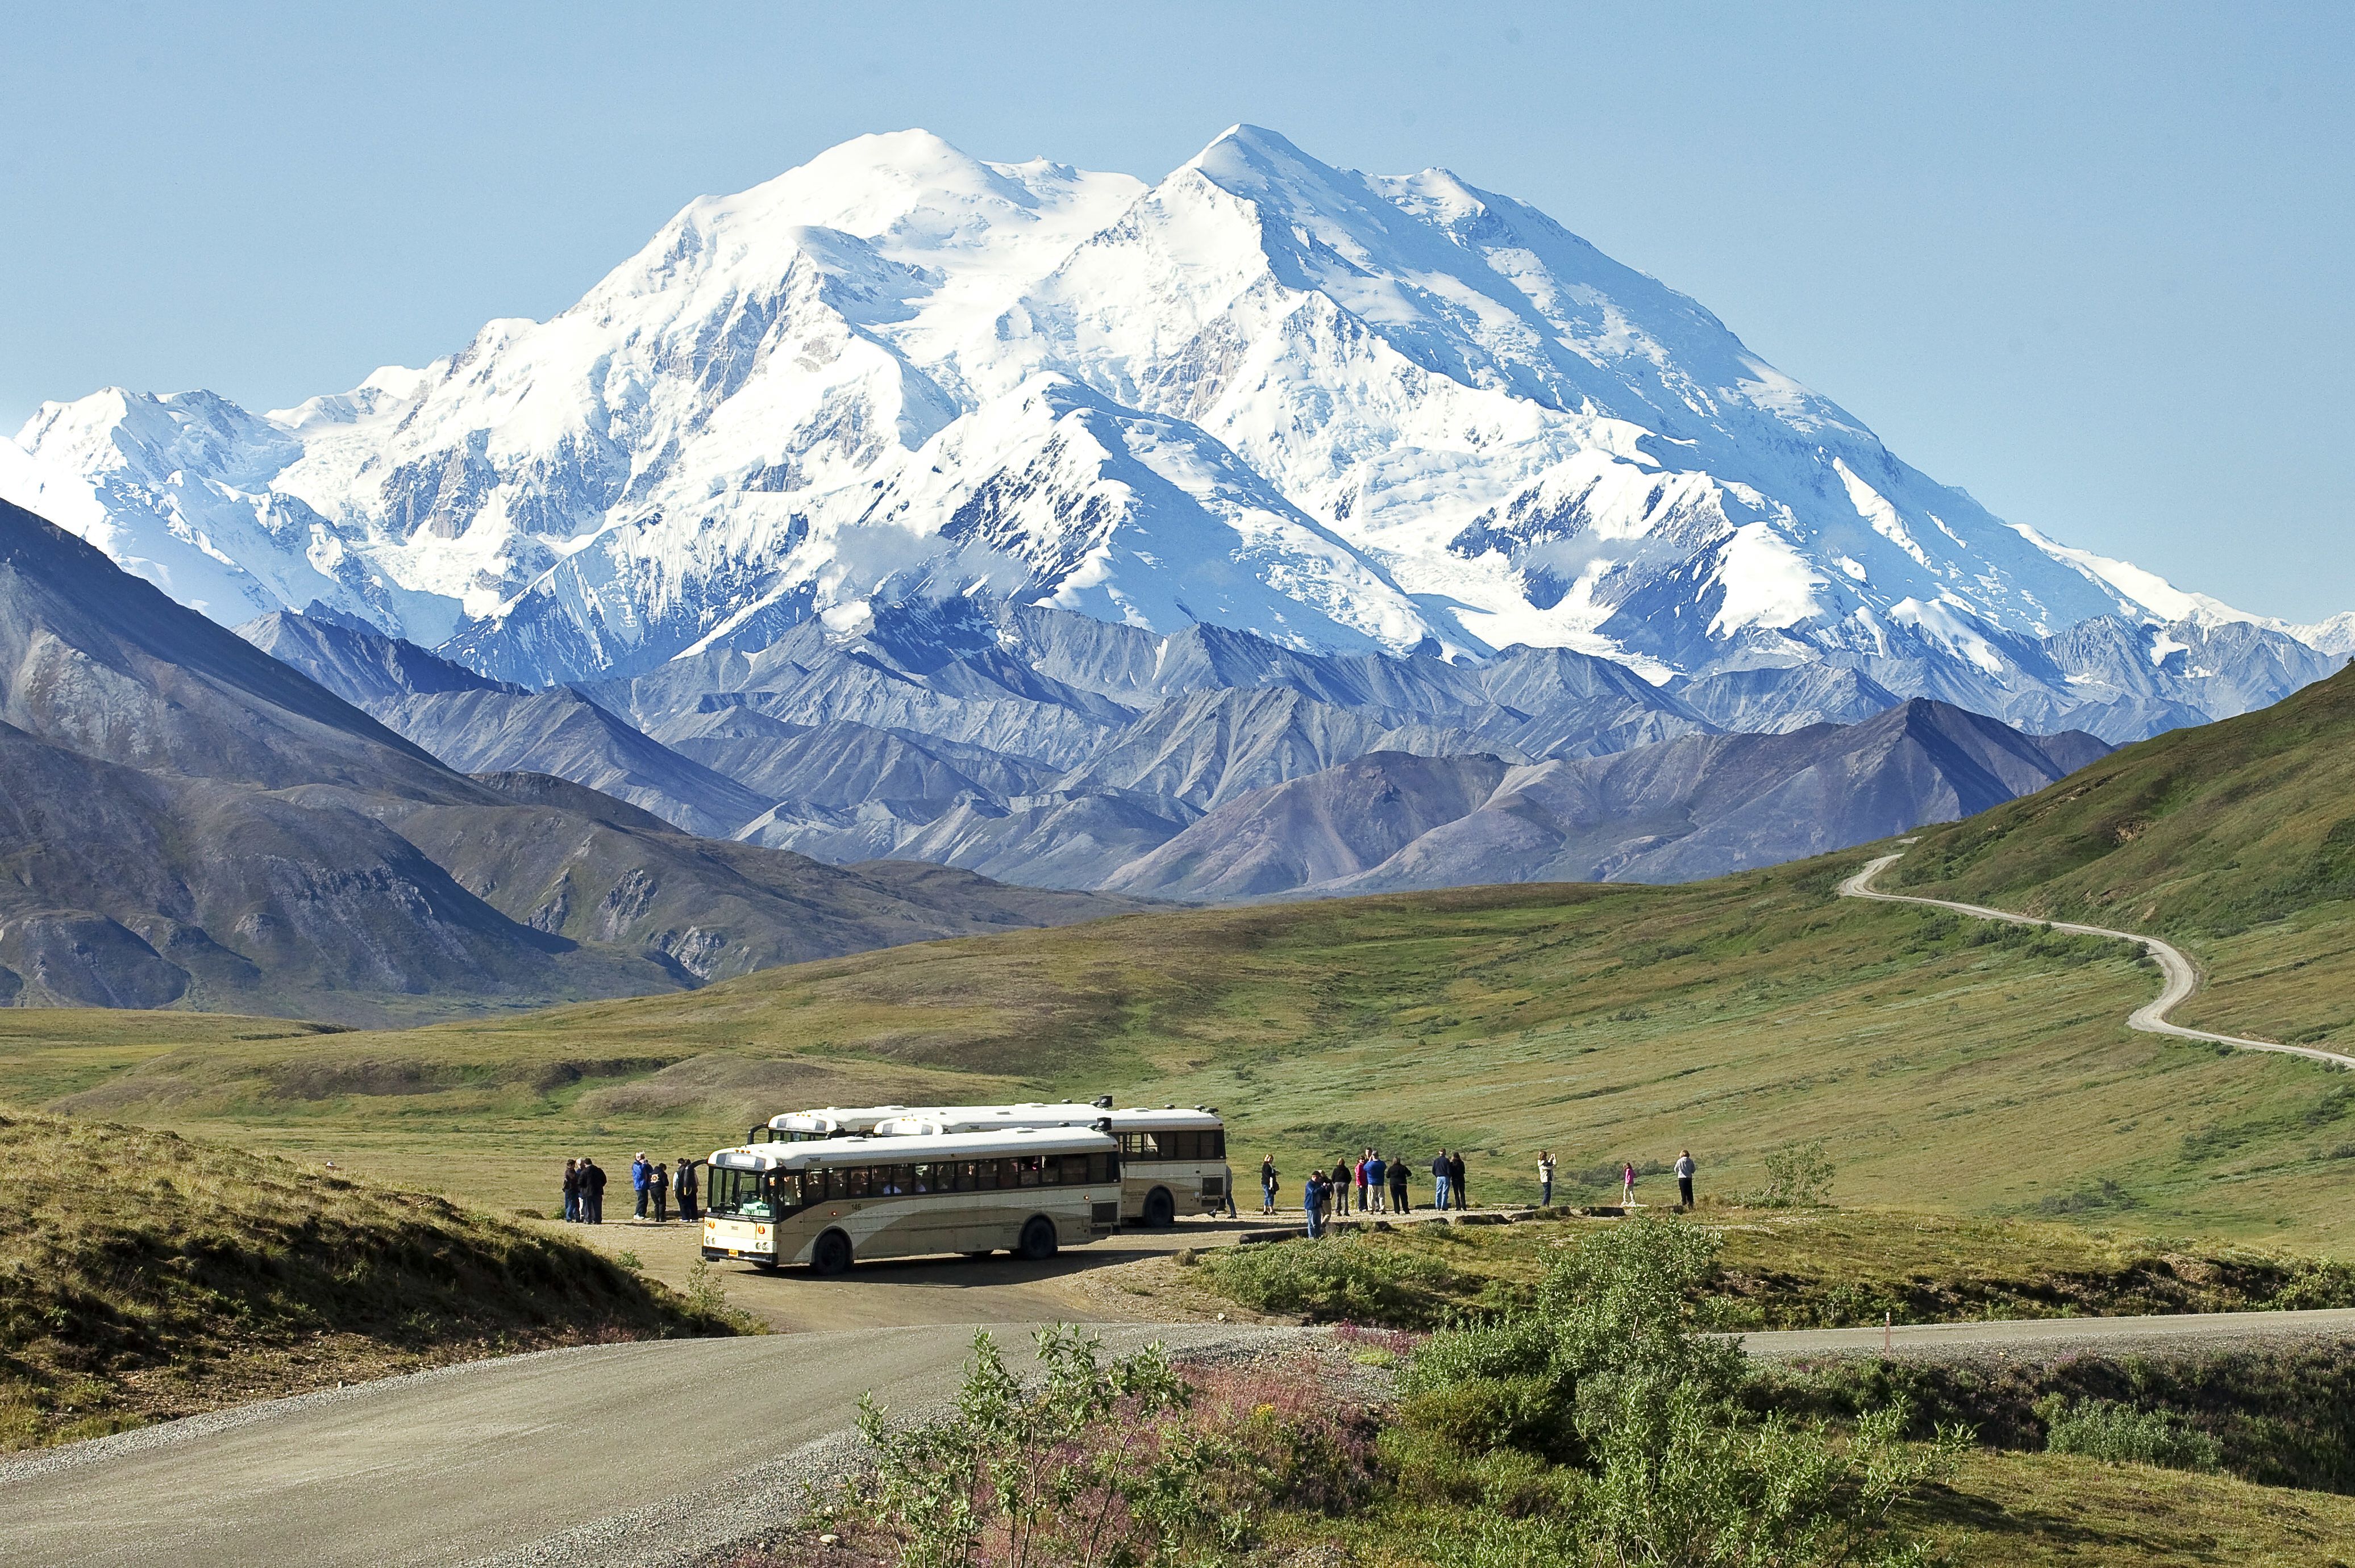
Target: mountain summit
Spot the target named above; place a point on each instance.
(1345, 413)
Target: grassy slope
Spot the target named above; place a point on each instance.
(2235, 839)
(1780, 1269)
(1944, 1068)
(144, 1276)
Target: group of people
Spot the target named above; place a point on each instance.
(584, 1193)
(1378, 1180)
(1684, 1168)
(1379, 1183)
(654, 1183)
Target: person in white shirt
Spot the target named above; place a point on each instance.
(1545, 1178)
(1684, 1168)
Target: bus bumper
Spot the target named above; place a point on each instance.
(731, 1254)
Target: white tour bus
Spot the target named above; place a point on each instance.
(828, 1201)
(1172, 1161)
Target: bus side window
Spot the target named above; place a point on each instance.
(1027, 1171)
(970, 1175)
(1153, 1146)
(924, 1179)
(850, 1181)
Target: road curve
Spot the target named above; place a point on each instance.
(2182, 976)
(606, 1454)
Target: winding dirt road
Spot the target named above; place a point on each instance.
(2182, 975)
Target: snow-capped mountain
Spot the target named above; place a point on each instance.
(1350, 414)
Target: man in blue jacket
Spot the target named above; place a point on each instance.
(1377, 1173)
(640, 1174)
(1309, 1199)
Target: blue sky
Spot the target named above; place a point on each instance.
(2090, 263)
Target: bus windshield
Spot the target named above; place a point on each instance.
(753, 1194)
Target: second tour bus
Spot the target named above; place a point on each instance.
(829, 1201)
(1172, 1161)
(831, 1121)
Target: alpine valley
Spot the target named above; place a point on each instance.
(1273, 529)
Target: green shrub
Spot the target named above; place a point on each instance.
(1608, 1371)
(1338, 1279)
(1481, 1415)
(2321, 1282)
(1425, 1468)
(2105, 1429)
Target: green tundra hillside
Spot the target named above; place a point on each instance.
(2236, 840)
(1944, 1063)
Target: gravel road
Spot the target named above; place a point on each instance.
(2182, 975)
(610, 1454)
(2035, 1338)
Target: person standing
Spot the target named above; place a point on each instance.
(1628, 1184)
(1462, 1190)
(1340, 1186)
(1439, 1181)
(1268, 1178)
(1398, 1187)
(1312, 1201)
(658, 1189)
(593, 1190)
(1545, 1178)
(1365, 1157)
(688, 1193)
(571, 1192)
(639, 1169)
(1377, 1173)
(1684, 1168)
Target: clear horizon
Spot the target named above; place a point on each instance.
(2090, 267)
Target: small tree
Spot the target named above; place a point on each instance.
(1032, 1477)
(1798, 1175)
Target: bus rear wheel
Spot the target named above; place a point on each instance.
(1038, 1239)
(831, 1255)
(1160, 1210)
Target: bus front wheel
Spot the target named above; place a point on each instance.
(831, 1255)
(1039, 1239)
(1160, 1210)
